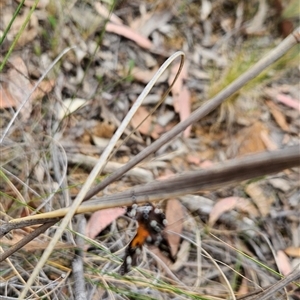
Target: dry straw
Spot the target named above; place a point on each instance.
(86, 193)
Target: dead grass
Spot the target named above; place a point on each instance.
(246, 248)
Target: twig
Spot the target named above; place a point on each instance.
(284, 46)
(7, 227)
(209, 106)
(235, 170)
(26, 240)
(142, 175)
(97, 169)
(77, 263)
(295, 275)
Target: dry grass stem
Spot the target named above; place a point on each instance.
(110, 124)
(229, 172)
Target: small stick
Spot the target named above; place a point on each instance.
(232, 171)
(26, 240)
(7, 227)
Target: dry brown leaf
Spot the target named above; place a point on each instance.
(250, 140)
(260, 197)
(30, 32)
(278, 115)
(243, 289)
(228, 204)
(149, 22)
(148, 127)
(130, 34)
(221, 207)
(103, 129)
(19, 66)
(161, 256)
(185, 108)
(139, 22)
(101, 219)
(206, 164)
(182, 256)
(181, 95)
(177, 87)
(104, 12)
(268, 142)
(44, 88)
(280, 183)
(175, 217)
(245, 205)
(292, 251)
(39, 171)
(285, 94)
(6, 100)
(288, 101)
(283, 263)
(193, 159)
(19, 85)
(199, 161)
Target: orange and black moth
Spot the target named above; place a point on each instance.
(151, 224)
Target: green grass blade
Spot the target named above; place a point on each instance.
(11, 48)
(11, 22)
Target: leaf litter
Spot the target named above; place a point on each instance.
(98, 82)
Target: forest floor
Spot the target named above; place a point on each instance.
(230, 241)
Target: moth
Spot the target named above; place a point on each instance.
(151, 224)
